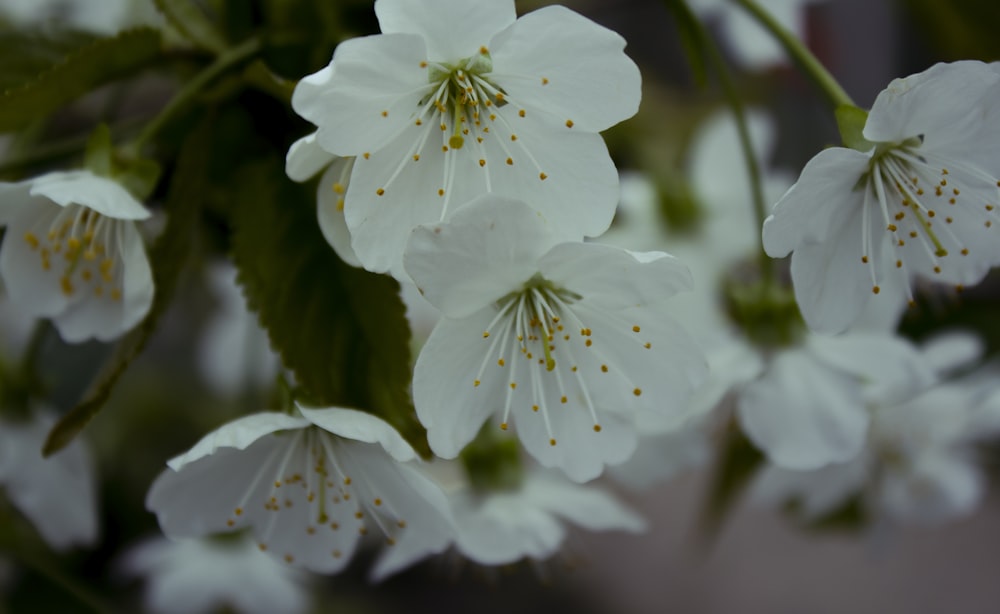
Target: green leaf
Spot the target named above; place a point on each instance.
(76, 74)
(341, 330)
(851, 123)
(191, 21)
(167, 258)
(24, 54)
(737, 462)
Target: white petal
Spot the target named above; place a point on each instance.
(103, 195)
(615, 278)
(803, 414)
(951, 351)
(448, 404)
(374, 74)
(487, 249)
(453, 29)
(360, 426)
(57, 494)
(942, 486)
(816, 492)
(590, 80)
(30, 287)
(102, 317)
(826, 186)
(583, 505)
(238, 434)
(13, 198)
(944, 104)
(504, 528)
(305, 158)
(330, 210)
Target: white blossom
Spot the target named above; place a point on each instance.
(203, 576)
(572, 343)
(457, 98)
(73, 253)
(310, 486)
(921, 201)
(57, 494)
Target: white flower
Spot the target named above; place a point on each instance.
(306, 158)
(309, 486)
(234, 353)
(505, 526)
(194, 576)
(918, 464)
(57, 494)
(72, 253)
(921, 201)
(457, 98)
(572, 342)
(809, 408)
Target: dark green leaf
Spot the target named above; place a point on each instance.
(737, 462)
(76, 74)
(25, 54)
(189, 18)
(341, 330)
(167, 258)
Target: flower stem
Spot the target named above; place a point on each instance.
(801, 55)
(222, 63)
(718, 63)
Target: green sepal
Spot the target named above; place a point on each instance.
(98, 156)
(851, 123)
(191, 22)
(257, 74)
(139, 177)
(341, 330)
(766, 312)
(79, 72)
(167, 258)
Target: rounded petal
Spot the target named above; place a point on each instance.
(377, 86)
(503, 528)
(827, 185)
(583, 505)
(557, 62)
(952, 351)
(803, 414)
(941, 486)
(330, 209)
(305, 158)
(103, 195)
(238, 434)
(31, 287)
(485, 250)
(360, 426)
(615, 278)
(944, 104)
(815, 492)
(453, 29)
(449, 404)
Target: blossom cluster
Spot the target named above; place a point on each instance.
(459, 152)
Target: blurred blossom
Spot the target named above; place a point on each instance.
(204, 576)
(102, 17)
(234, 353)
(919, 464)
(57, 494)
(748, 41)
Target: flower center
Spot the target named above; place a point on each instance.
(915, 192)
(79, 242)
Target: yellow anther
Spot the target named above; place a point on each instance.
(500, 362)
(31, 239)
(876, 289)
(569, 123)
(637, 391)
(339, 188)
(510, 162)
(67, 285)
(543, 176)
(380, 191)
(597, 428)
(552, 442)
(503, 426)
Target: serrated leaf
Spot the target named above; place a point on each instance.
(24, 53)
(79, 72)
(341, 330)
(190, 20)
(167, 258)
(737, 462)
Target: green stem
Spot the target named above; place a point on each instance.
(801, 55)
(222, 63)
(732, 95)
(48, 570)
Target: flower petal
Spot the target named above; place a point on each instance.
(377, 86)
(453, 29)
(815, 492)
(360, 426)
(31, 287)
(504, 528)
(305, 158)
(238, 434)
(557, 62)
(941, 486)
(103, 195)
(803, 414)
(583, 505)
(330, 210)
(487, 249)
